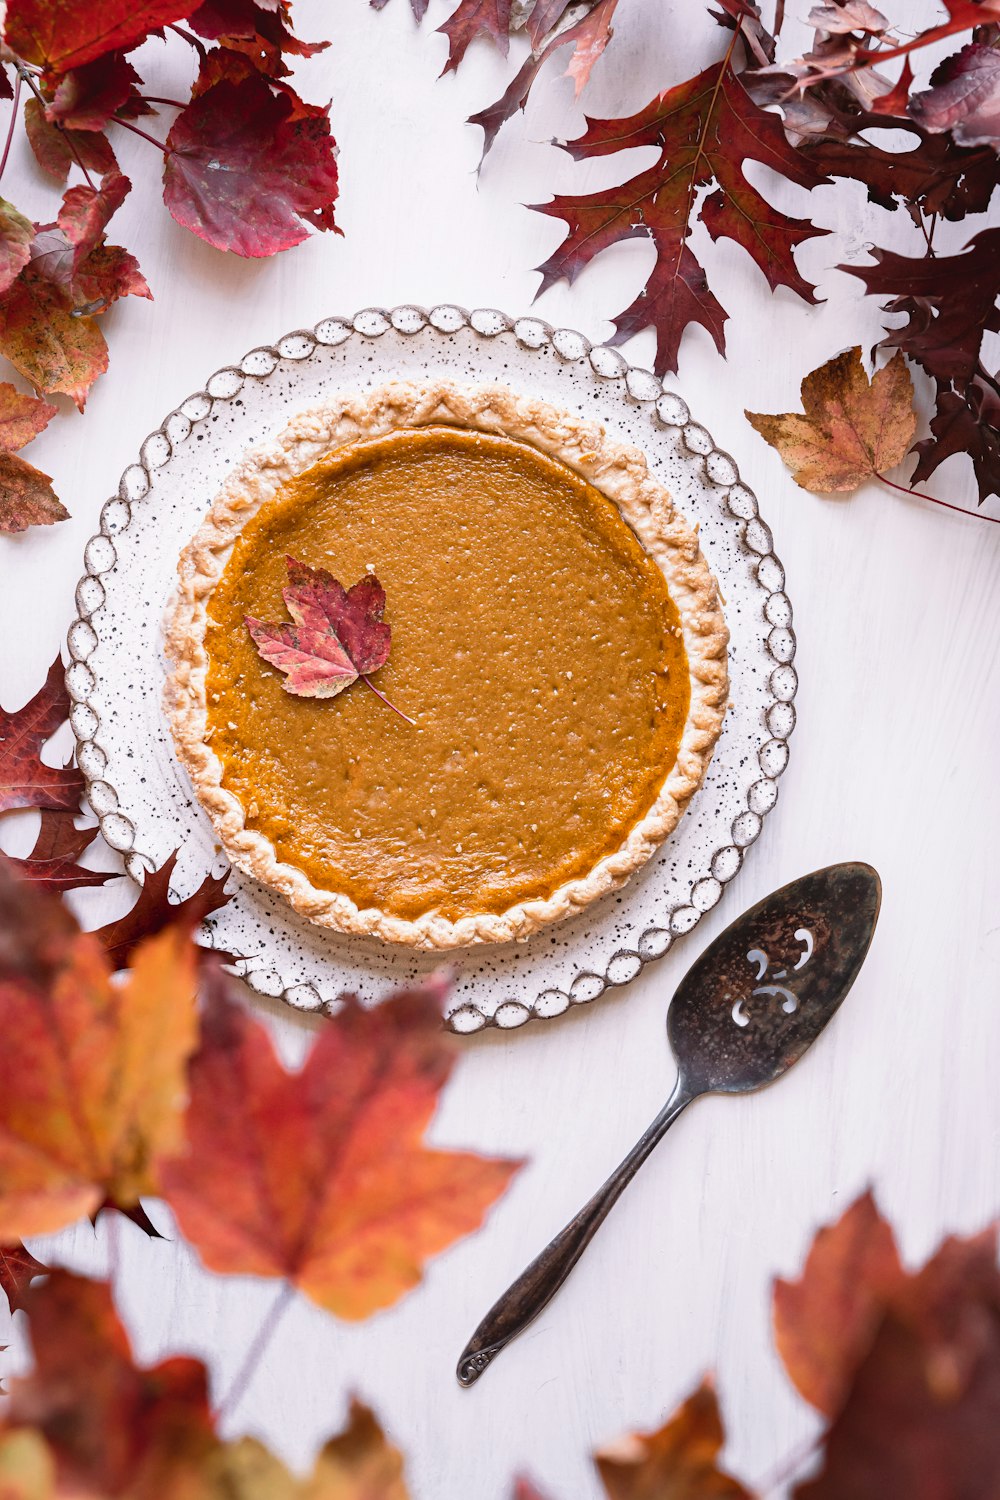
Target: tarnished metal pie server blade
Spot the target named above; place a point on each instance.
(762, 992)
(750, 1006)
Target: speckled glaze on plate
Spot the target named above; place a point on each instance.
(116, 674)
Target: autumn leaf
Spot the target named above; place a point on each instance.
(824, 1324)
(58, 845)
(474, 18)
(359, 1464)
(246, 167)
(43, 337)
(919, 1419)
(62, 34)
(320, 1176)
(18, 1268)
(57, 150)
(338, 634)
(21, 417)
(677, 1462)
(87, 98)
(965, 421)
(704, 130)
(154, 911)
(964, 97)
(25, 781)
(92, 1073)
(16, 235)
(26, 496)
(850, 430)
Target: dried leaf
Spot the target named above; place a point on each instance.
(87, 98)
(18, 1268)
(824, 1324)
(592, 36)
(966, 421)
(16, 235)
(704, 129)
(851, 430)
(246, 167)
(43, 337)
(964, 97)
(154, 911)
(474, 18)
(320, 1176)
(52, 862)
(21, 417)
(62, 34)
(338, 634)
(26, 496)
(27, 1469)
(24, 780)
(358, 1464)
(950, 301)
(92, 1074)
(678, 1462)
(920, 1417)
(854, 15)
(57, 150)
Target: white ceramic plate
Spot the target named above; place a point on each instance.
(116, 676)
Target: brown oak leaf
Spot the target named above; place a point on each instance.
(21, 417)
(25, 780)
(18, 1268)
(825, 1322)
(850, 429)
(677, 1462)
(474, 18)
(366, 1202)
(52, 862)
(153, 911)
(26, 496)
(92, 1073)
(56, 150)
(704, 130)
(246, 167)
(43, 336)
(16, 235)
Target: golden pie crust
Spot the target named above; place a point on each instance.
(617, 471)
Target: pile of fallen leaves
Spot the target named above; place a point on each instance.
(130, 1070)
(247, 165)
(811, 120)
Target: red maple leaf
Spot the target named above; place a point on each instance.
(704, 130)
(87, 98)
(16, 234)
(64, 34)
(52, 862)
(18, 1268)
(57, 150)
(54, 344)
(154, 910)
(25, 781)
(246, 167)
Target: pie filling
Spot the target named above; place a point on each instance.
(533, 641)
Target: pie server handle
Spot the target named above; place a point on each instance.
(537, 1285)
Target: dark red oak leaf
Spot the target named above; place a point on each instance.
(964, 97)
(490, 18)
(62, 34)
(949, 300)
(24, 780)
(245, 168)
(88, 97)
(704, 129)
(154, 910)
(18, 1268)
(56, 151)
(965, 421)
(52, 862)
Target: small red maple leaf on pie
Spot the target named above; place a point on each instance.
(336, 636)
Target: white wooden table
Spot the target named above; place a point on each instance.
(894, 761)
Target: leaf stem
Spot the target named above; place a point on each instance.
(976, 515)
(13, 121)
(22, 72)
(155, 99)
(258, 1347)
(385, 700)
(190, 38)
(127, 125)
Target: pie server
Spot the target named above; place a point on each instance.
(747, 1009)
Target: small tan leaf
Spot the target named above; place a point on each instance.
(850, 430)
(21, 417)
(26, 496)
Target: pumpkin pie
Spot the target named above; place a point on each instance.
(557, 642)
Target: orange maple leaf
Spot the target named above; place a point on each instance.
(321, 1176)
(851, 429)
(92, 1073)
(678, 1462)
